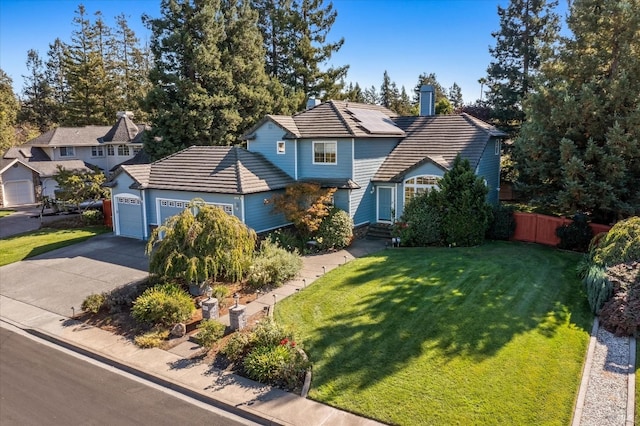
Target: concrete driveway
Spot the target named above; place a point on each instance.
(61, 279)
(25, 219)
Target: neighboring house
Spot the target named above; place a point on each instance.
(26, 172)
(376, 161)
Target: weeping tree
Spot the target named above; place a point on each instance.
(203, 242)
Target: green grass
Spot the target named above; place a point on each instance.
(4, 213)
(19, 247)
(495, 334)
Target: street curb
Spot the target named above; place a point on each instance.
(631, 383)
(191, 393)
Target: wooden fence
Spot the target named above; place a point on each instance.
(107, 213)
(538, 228)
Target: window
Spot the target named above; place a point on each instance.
(281, 147)
(67, 151)
(123, 150)
(497, 147)
(110, 150)
(325, 153)
(97, 151)
(418, 185)
(136, 149)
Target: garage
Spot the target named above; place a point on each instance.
(129, 216)
(18, 192)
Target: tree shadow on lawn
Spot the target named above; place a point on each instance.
(466, 302)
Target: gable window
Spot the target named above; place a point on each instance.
(419, 185)
(97, 151)
(123, 150)
(325, 153)
(280, 147)
(67, 151)
(110, 150)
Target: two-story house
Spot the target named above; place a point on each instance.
(26, 172)
(377, 161)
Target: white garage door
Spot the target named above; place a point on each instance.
(129, 216)
(18, 192)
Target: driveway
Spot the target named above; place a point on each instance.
(24, 219)
(60, 280)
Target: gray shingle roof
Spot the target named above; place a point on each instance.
(439, 139)
(70, 136)
(124, 131)
(213, 169)
(332, 119)
(50, 168)
(26, 153)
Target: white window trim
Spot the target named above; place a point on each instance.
(111, 150)
(99, 152)
(182, 204)
(281, 147)
(123, 147)
(497, 147)
(416, 186)
(313, 153)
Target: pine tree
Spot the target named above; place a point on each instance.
(371, 96)
(579, 149)
(527, 27)
(388, 91)
(8, 112)
(209, 72)
(455, 96)
(37, 106)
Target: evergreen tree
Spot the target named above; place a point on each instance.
(388, 91)
(85, 74)
(579, 148)
(527, 27)
(57, 80)
(354, 93)
(403, 104)
(37, 106)
(455, 96)
(371, 96)
(209, 72)
(311, 23)
(8, 112)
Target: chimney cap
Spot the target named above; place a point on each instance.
(313, 102)
(123, 113)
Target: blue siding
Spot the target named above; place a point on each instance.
(306, 168)
(368, 157)
(341, 199)
(259, 215)
(489, 168)
(265, 142)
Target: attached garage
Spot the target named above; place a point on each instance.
(18, 192)
(128, 215)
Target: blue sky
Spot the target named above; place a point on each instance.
(404, 37)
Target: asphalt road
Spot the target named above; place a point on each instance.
(43, 385)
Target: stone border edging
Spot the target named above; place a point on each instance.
(631, 383)
(586, 370)
(307, 375)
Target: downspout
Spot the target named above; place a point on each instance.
(114, 213)
(295, 159)
(144, 216)
(353, 172)
(242, 209)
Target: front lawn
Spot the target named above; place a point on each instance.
(495, 334)
(22, 246)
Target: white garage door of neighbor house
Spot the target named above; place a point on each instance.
(18, 192)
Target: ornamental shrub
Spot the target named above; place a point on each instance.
(576, 235)
(151, 339)
(92, 217)
(93, 303)
(465, 213)
(502, 225)
(599, 289)
(269, 333)
(209, 332)
(273, 266)
(163, 304)
(237, 346)
(620, 245)
(336, 230)
(421, 221)
(281, 365)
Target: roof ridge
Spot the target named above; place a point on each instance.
(334, 106)
(238, 163)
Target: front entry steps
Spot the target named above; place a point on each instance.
(379, 231)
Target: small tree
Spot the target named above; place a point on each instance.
(200, 243)
(465, 211)
(77, 186)
(304, 204)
